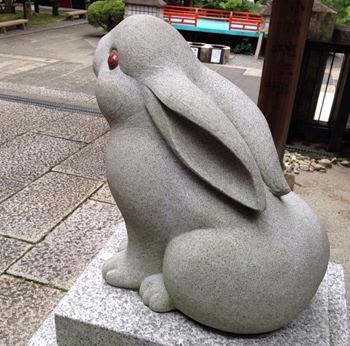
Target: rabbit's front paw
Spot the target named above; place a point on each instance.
(119, 271)
(155, 295)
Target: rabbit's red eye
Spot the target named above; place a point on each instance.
(113, 60)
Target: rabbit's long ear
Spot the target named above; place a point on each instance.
(204, 139)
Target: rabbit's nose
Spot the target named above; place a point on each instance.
(113, 60)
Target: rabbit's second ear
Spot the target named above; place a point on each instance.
(202, 137)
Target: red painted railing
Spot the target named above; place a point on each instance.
(189, 15)
(245, 21)
(181, 18)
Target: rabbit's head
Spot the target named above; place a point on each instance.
(145, 45)
(118, 95)
(145, 64)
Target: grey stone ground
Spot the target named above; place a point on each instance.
(55, 209)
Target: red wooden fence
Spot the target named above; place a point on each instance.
(189, 15)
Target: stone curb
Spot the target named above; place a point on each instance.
(39, 28)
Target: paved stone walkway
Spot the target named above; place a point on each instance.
(56, 211)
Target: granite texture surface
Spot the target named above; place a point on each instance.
(94, 313)
(88, 162)
(46, 334)
(10, 251)
(104, 195)
(337, 307)
(16, 119)
(61, 258)
(8, 187)
(35, 215)
(21, 303)
(27, 157)
(77, 127)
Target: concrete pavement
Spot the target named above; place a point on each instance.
(56, 211)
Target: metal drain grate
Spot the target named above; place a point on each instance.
(52, 105)
(308, 150)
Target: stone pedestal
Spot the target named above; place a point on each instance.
(94, 313)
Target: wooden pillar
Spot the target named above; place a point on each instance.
(283, 56)
(258, 47)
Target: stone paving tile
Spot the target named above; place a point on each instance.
(33, 212)
(232, 74)
(42, 75)
(43, 42)
(24, 307)
(250, 85)
(86, 72)
(61, 258)
(77, 51)
(77, 127)
(88, 162)
(5, 63)
(11, 68)
(10, 251)
(104, 195)
(30, 90)
(27, 157)
(213, 67)
(67, 83)
(23, 68)
(18, 66)
(16, 118)
(76, 77)
(8, 187)
(253, 72)
(242, 60)
(26, 59)
(87, 88)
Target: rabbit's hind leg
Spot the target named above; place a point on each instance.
(155, 295)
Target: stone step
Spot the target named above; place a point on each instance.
(94, 313)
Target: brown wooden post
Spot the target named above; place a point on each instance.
(283, 56)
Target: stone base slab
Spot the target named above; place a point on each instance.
(94, 313)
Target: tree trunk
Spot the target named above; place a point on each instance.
(55, 5)
(28, 9)
(9, 6)
(55, 10)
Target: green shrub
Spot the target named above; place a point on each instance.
(207, 3)
(245, 47)
(233, 5)
(340, 6)
(236, 5)
(106, 13)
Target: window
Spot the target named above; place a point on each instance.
(137, 9)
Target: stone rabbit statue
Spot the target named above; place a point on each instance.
(213, 229)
